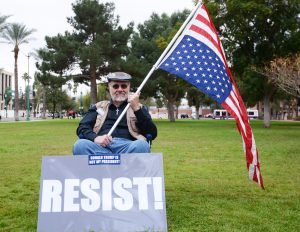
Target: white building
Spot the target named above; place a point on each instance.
(6, 81)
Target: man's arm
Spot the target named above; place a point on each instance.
(86, 125)
(144, 122)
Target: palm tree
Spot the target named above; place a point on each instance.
(3, 24)
(16, 34)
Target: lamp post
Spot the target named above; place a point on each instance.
(27, 93)
(5, 107)
(27, 101)
(81, 104)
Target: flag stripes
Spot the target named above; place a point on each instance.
(191, 58)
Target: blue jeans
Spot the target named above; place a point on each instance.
(117, 146)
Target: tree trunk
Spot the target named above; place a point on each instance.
(93, 87)
(171, 111)
(197, 111)
(16, 111)
(267, 98)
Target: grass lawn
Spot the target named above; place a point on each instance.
(207, 187)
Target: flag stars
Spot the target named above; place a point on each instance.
(201, 66)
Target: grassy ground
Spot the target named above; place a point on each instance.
(207, 188)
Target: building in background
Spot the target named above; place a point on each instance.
(6, 81)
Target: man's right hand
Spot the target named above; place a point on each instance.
(103, 140)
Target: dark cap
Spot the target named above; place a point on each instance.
(118, 76)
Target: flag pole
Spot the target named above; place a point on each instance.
(154, 67)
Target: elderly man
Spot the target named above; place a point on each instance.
(128, 136)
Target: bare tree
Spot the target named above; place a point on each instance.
(285, 73)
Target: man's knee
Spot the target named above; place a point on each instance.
(140, 146)
(79, 146)
(83, 147)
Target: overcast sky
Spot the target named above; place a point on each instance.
(49, 17)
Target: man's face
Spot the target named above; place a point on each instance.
(119, 90)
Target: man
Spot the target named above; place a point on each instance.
(130, 134)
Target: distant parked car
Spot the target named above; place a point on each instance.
(184, 116)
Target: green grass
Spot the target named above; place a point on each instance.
(207, 188)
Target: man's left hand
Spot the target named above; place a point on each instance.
(134, 101)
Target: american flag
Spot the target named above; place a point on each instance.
(197, 56)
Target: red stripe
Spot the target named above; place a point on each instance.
(245, 135)
(206, 22)
(206, 35)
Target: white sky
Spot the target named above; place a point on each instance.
(49, 17)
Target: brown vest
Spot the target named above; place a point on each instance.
(102, 109)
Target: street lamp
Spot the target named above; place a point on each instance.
(81, 104)
(27, 101)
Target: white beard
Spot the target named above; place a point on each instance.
(119, 98)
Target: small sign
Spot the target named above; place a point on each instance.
(76, 195)
(104, 159)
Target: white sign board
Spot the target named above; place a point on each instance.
(102, 193)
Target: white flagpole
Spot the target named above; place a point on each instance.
(154, 67)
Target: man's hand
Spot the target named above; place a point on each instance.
(134, 101)
(103, 140)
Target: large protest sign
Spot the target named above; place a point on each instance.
(102, 193)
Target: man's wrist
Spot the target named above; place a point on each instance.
(136, 108)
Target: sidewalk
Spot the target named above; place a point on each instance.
(21, 119)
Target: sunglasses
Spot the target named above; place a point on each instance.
(123, 86)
